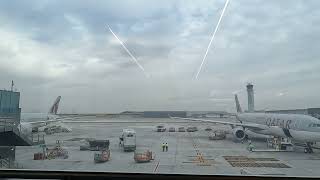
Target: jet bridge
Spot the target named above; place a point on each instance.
(12, 135)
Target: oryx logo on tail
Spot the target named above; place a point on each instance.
(54, 108)
(238, 107)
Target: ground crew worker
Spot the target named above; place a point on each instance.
(166, 146)
(250, 147)
(163, 146)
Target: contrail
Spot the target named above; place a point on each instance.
(133, 58)
(214, 33)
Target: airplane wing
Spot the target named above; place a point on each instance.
(43, 122)
(246, 125)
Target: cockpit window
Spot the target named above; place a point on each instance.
(314, 125)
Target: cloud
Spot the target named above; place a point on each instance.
(52, 48)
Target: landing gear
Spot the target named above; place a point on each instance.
(308, 149)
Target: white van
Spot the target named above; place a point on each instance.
(128, 140)
(160, 128)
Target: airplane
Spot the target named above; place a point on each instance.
(298, 127)
(33, 121)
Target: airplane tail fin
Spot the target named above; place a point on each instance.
(238, 107)
(54, 108)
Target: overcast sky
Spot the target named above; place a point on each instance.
(52, 48)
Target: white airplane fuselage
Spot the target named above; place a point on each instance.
(35, 122)
(296, 126)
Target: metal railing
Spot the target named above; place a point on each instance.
(5, 163)
(38, 140)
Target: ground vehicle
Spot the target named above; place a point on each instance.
(95, 145)
(181, 129)
(192, 129)
(142, 157)
(217, 135)
(128, 140)
(208, 129)
(161, 128)
(172, 129)
(55, 128)
(102, 156)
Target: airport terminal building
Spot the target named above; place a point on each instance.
(315, 112)
(9, 106)
(164, 114)
(11, 134)
(9, 115)
(184, 114)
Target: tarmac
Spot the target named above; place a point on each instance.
(188, 152)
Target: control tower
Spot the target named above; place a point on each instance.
(250, 97)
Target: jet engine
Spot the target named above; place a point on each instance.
(238, 133)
